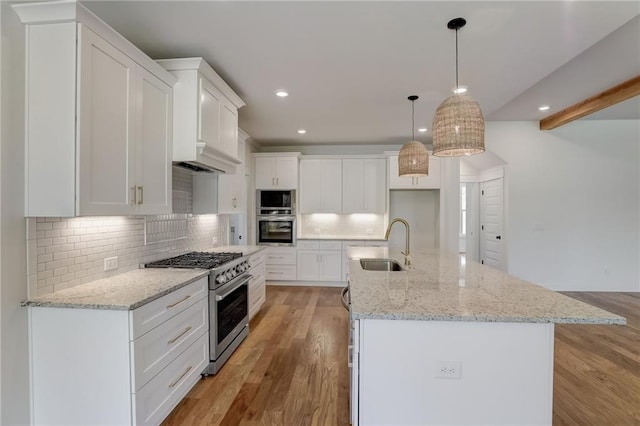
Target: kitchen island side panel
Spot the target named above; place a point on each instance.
(506, 373)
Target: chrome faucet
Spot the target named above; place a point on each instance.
(407, 256)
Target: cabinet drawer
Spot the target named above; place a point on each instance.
(281, 272)
(308, 244)
(330, 245)
(281, 258)
(257, 259)
(258, 274)
(156, 399)
(155, 313)
(157, 348)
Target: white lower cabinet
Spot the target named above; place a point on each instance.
(319, 261)
(99, 367)
(257, 284)
(280, 264)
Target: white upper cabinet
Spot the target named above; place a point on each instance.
(205, 126)
(320, 186)
(276, 172)
(363, 185)
(115, 159)
(232, 188)
(428, 182)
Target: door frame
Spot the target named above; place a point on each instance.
(500, 172)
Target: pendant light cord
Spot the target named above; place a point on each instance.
(413, 118)
(457, 87)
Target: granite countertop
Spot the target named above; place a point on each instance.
(126, 291)
(245, 250)
(343, 238)
(438, 287)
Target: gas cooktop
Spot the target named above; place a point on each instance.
(195, 259)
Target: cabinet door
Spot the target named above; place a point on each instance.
(229, 129)
(106, 134)
(265, 172)
(331, 191)
(395, 181)
(231, 193)
(287, 172)
(309, 265)
(310, 186)
(433, 180)
(154, 148)
(209, 115)
(331, 266)
(353, 186)
(375, 188)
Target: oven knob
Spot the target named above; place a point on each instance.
(229, 274)
(221, 279)
(245, 266)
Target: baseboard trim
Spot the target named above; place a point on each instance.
(309, 283)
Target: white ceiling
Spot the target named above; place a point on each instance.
(349, 66)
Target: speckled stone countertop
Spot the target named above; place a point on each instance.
(438, 287)
(126, 291)
(245, 250)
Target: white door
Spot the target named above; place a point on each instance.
(287, 172)
(209, 115)
(331, 267)
(265, 172)
(491, 223)
(308, 265)
(106, 138)
(154, 147)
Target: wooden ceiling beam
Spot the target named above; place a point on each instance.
(612, 96)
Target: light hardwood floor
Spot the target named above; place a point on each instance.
(292, 369)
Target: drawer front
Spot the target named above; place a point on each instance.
(258, 273)
(353, 243)
(280, 272)
(156, 399)
(308, 244)
(155, 313)
(257, 259)
(377, 243)
(330, 245)
(281, 258)
(156, 349)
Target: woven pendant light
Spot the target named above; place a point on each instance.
(413, 160)
(458, 125)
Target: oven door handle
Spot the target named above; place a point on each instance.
(240, 283)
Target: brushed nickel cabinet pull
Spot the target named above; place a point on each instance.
(133, 195)
(186, 330)
(141, 189)
(180, 378)
(178, 302)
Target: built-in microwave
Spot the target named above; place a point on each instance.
(278, 230)
(272, 202)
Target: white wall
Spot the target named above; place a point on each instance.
(574, 203)
(14, 379)
(421, 208)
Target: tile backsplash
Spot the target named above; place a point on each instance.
(326, 225)
(65, 252)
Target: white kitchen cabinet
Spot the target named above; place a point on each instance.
(427, 182)
(257, 284)
(276, 172)
(319, 261)
(280, 264)
(364, 186)
(101, 366)
(205, 129)
(320, 186)
(231, 190)
(98, 118)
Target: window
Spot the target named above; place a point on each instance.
(463, 209)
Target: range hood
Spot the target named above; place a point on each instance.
(196, 167)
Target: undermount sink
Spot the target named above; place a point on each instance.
(388, 265)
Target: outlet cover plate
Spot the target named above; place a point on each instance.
(448, 370)
(111, 263)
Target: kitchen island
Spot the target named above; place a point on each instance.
(451, 342)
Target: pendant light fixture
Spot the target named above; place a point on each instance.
(413, 160)
(458, 125)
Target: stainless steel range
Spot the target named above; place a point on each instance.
(228, 299)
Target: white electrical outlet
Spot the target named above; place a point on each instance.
(214, 240)
(111, 263)
(448, 369)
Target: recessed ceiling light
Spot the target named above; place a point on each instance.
(282, 93)
(302, 131)
(543, 107)
(460, 89)
(424, 129)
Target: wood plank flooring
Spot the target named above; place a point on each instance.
(292, 369)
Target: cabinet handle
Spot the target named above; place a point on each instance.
(180, 378)
(172, 341)
(178, 302)
(276, 257)
(133, 195)
(275, 272)
(141, 189)
(277, 181)
(273, 181)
